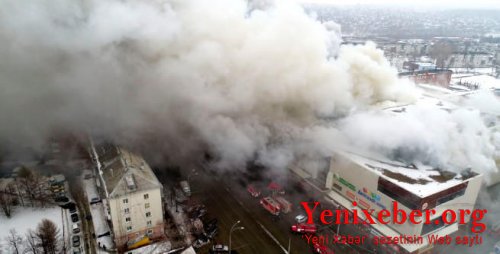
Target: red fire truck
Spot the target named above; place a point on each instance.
(304, 228)
(270, 205)
(285, 206)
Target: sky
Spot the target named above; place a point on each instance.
(440, 3)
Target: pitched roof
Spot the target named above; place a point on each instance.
(124, 172)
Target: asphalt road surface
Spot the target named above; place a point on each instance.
(262, 233)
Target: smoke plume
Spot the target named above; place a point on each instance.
(247, 82)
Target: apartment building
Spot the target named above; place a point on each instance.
(132, 196)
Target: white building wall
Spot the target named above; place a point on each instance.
(137, 212)
(363, 178)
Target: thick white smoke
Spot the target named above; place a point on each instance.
(454, 140)
(241, 83)
(260, 81)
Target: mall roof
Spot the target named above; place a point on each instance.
(421, 180)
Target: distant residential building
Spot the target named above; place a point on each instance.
(470, 60)
(132, 196)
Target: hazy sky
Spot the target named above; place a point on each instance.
(441, 3)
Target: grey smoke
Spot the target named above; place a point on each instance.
(178, 77)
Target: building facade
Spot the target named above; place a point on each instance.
(374, 183)
(132, 196)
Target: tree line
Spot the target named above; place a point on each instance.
(43, 240)
(28, 188)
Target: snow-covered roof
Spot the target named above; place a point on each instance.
(421, 180)
(426, 100)
(125, 172)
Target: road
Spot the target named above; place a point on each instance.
(222, 205)
(87, 230)
(229, 203)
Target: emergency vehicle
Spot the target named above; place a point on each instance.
(270, 205)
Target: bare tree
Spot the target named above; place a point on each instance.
(48, 234)
(39, 191)
(14, 240)
(29, 182)
(17, 189)
(6, 203)
(32, 242)
(441, 51)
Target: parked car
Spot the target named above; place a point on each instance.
(72, 208)
(76, 228)
(68, 205)
(253, 191)
(61, 199)
(300, 218)
(210, 233)
(74, 217)
(201, 241)
(76, 241)
(219, 248)
(107, 233)
(95, 200)
(321, 249)
(304, 228)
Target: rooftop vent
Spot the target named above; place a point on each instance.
(130, 182)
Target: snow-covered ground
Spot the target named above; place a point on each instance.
(24, 219)
(98, 215)
(484, 81)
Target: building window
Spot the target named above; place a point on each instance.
(148, 214)
(450, 196)
(399, 194)
(129, 228)
(125, 200)
(150, 232)
(127, 219)
(126, 211)
(146, 205)
(149, 223)
(146, 196)
(434, 225)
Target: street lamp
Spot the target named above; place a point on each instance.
(233, 228)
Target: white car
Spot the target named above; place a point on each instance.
(219, 248)
(300, 218)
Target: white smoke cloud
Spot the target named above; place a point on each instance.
(261, 81)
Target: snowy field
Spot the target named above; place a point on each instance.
(24, 219)
(484, 81)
